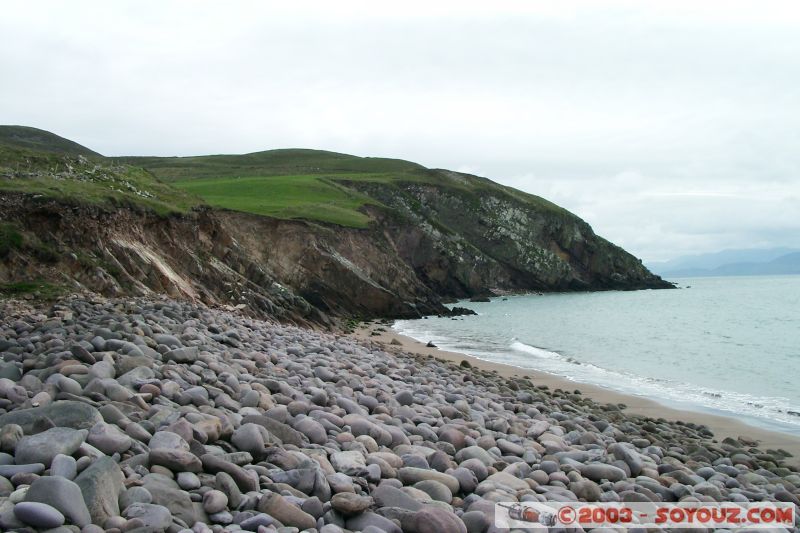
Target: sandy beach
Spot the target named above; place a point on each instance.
(722, 426)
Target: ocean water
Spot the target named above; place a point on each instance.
(730, 345)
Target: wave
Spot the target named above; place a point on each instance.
(772, 410)
(533, 350)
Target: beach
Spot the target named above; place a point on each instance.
(160, 415)
(721, 426)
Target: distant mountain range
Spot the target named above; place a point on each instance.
(753, 262)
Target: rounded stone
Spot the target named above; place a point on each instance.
(38, 515)
(436, 520)
(349, 504)
(214, 501)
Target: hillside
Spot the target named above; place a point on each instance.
(301, 234)
(42, 141)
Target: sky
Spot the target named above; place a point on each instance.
(671, 127)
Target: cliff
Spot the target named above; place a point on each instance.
(302, 235)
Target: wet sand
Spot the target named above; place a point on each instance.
(722, 426)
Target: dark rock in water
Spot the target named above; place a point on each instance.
(461, 311)
(101, 484)
(38, 515)
(61, 494)
(430, 344)
(483, 299)
(63, 413)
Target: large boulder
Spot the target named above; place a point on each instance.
(63, 413)
(43, 447)
(62, 494)
(101, 484)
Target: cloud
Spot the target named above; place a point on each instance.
(672, 127)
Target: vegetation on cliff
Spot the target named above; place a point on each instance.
(290, 231)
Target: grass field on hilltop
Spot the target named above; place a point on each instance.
(87, 181)
(308, 197)
(285, 162)
(314, 185)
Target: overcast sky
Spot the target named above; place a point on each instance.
(671, 127)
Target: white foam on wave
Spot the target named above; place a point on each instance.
(533, 350)
(766, 409)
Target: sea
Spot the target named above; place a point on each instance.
(728, 345)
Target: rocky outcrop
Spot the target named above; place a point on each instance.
(426, 245)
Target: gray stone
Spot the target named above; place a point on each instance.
(61, 494)
(43, 447)
(108, 438)
(39, 515)
(404, 397)
(387, 496)
(365, 520)
(214, 501)
(167, 493)
(176, 460)
(283, 432)
(252, 523)
(586, 490)
(101, 484)
(288, 514)
(188, 480)
(63, 413)
(153, 517)
(437, 520)
(167, 440)
(436, 490)
(64, 466)
(410, 475)
(251, 438)
(312, 429)
(134, 495)
(601, 471)
(349, 462)
(11, 470)
(506, 479)
(10, 435)
(476, 521)
(349, 504)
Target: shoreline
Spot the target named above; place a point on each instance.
(721, 426)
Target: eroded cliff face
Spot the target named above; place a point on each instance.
(430, 243)
(461, 243)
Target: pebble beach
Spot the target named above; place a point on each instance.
(148, 415)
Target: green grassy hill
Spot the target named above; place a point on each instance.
(310, 184)
(41, 141)
(41, 163)
(387, 237)
(313, 185)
